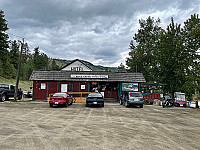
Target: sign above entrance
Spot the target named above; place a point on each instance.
(89, 76)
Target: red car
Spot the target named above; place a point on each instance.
(60, 99)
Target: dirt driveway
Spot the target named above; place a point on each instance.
(35, 126)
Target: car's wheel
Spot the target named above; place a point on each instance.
(67, 104)
(141, 106)
(102, 105)
(123, 103)
(126, 104)
(3, 98)
(71, 103)
(86, 105)
(50, 104)
(120, 102)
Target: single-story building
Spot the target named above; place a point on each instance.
(78, 77)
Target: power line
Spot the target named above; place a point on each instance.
(15, 35)
(20, 37)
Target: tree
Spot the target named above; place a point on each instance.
(14, 54)
(40, 60)
(121, 68)
(36, 58)
(191, 32)
(54, 66)
(26, 53)
(141, 55)
(168, 56)
(171, 58)
(4, 44)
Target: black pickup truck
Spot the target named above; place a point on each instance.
(8, 90)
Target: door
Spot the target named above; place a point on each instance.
(110, 92)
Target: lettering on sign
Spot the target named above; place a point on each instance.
(76, 69)
(89, 76)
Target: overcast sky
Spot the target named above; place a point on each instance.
(98, 31)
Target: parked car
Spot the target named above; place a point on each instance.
(60, 99)
(8, 90)
(95, 99)
(132, 98)
(27, 94)
(179, 99)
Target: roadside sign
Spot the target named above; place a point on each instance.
(193, 104)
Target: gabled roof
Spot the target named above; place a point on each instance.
(66, 76)
(75, 61)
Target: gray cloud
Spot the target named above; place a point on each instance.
(95, 30)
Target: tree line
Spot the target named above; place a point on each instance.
(9, 56)
(170, 56)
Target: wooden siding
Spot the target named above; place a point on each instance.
(53, 87)
(39, 93)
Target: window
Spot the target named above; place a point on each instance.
(12, 87)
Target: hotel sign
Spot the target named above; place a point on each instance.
(89, 76)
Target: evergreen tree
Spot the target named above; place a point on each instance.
(191, 32)
(14, 54)
(141, 56)
(40, 60)
(36, 58)
(121, 68)
(171, 58)
(54, 66)
(4, 45)
(26, 53)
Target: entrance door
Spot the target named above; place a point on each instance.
(111, 90)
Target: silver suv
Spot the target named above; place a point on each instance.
(132, 98)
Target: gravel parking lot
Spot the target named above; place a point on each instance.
(34, 125)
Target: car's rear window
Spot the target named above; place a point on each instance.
(94, 95)
(60, 95)
(135, 94)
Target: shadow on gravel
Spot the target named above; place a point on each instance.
(95, 106)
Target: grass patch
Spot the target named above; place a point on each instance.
(24, 85)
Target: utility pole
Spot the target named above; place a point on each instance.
(19, 68)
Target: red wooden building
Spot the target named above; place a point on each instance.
(110, 84)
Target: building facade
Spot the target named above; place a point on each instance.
(80, 78)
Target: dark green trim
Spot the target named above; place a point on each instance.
(33, 88)
(47, 89)
(139, 88)
(58, 86)
(88, 86)
(152, 93)
(79, 88)
(120, 88)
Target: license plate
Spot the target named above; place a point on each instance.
(94, 102)
(136, 99)
(56, 102)
(181, 104)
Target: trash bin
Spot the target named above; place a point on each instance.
(193, 104)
